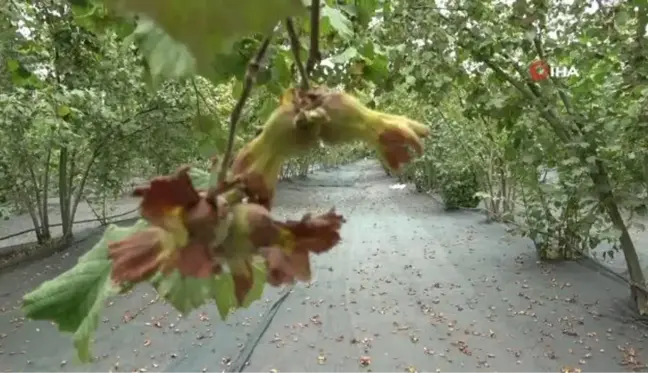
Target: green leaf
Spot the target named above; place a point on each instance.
(188, 293)
(199, 178)
(234, 64)
(62, 299)
(210, 27)
(346, 56)
(74, 299)
(365, 11)
(94, 16)
(165, 57)
(206, 124)
(13, 65)
(20, 75)
(183, 293)
(377, 69)
(237, 89)
(338, 21)
(281, 76)
(259, 275)
(85, 331)
(223, 294)
(202, 179)
(206, 147)
(223, 290)
(63, 111)
(621, 18)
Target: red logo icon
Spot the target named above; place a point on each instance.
(539, 70)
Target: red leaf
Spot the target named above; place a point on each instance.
(165, 193)
(195, 260)
(135, 258)
(299, 262)
(279, 271)
(263, 230)
(395, 143)
(318, 234)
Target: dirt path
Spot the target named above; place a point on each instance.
(410, 288)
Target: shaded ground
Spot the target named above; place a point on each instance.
(410, 288)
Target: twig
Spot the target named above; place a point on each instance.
(250, 77)
(314, 55)
(201, 96)
(195, 87)
(296, 49)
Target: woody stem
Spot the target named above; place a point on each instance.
(248, 83)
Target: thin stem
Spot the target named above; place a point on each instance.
(250, 77)
(195, 87)
(200, 97)
(296, 49)
(314, 55)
